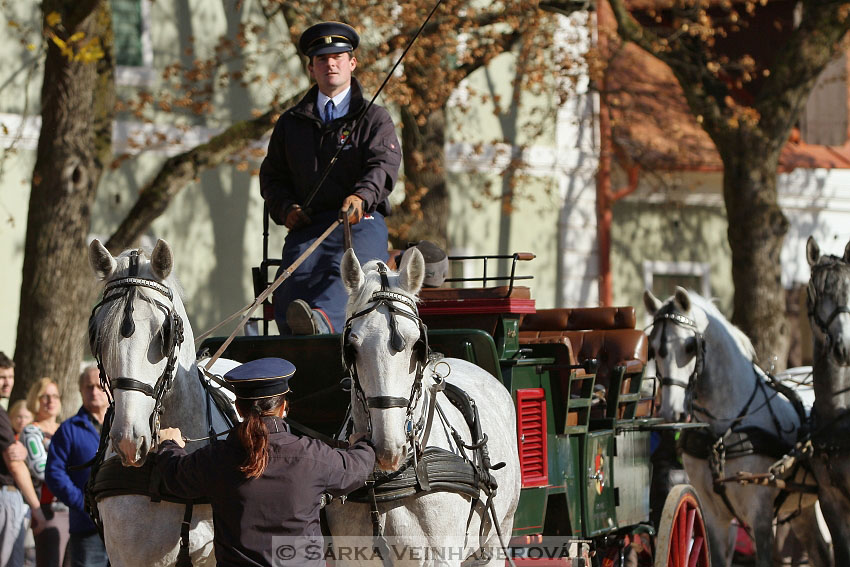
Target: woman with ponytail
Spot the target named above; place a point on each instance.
(264, 483)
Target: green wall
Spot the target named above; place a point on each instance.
(669, 232)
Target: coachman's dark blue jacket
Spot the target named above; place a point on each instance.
(301, 146)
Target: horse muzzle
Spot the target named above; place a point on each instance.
(390, 461)
(133, 450)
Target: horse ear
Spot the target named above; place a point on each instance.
(813, 252)
(682, 299)
(162, 260)
(102, 262)
(652, 303)
(351, 272)
(411, 274)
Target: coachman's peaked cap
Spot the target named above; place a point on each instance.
(261, 378)
(328, 37)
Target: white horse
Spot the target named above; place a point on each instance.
(384, 345)
(706, 369)
(829, 315)
(132, 332)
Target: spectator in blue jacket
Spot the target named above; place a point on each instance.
(75, 443)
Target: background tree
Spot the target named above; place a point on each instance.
(746, 70)
(78, 107)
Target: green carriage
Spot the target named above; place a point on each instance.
(584, 407)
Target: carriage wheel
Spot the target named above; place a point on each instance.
(682, 539)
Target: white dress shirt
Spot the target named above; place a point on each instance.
(341, 103)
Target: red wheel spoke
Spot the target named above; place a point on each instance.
(696, 551)
(682, 539)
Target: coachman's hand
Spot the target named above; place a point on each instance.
(296, 218)
(355, 202)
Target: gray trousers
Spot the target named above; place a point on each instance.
(13, 527)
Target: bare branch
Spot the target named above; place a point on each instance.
(182, 169)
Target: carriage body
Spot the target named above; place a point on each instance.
(578, 378)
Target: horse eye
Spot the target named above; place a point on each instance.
(691, 345)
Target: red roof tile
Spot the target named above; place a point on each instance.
(654, 127)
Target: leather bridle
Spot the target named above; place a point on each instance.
(680, 320)
(392, 301)
(812, 299)
(172, 337)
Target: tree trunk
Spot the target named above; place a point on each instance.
(424, 213)
(57, 287)
(757, 228)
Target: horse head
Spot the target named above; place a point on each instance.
(829, 301)
(384, 347)
(135, 334)
(677, 345)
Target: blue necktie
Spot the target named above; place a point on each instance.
(329, 110)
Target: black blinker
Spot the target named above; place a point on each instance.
(396, 340)
(128, 326)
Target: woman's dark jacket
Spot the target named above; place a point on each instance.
(284, 501)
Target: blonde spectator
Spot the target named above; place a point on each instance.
(45, 404)
(20, 416)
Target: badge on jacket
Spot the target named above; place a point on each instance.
(342, 138)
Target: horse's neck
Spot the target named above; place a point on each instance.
(727, 381)
(831, 383)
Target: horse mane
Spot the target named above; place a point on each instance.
(715, 316)
(111, 314)
(371, 284)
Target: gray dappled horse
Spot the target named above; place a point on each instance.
(395, 386)
(707, 370)
(829, 315)
(142, 336)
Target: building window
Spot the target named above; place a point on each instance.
(824, 118)
(663, 277)
(133, 48)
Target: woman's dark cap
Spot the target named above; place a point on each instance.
(328, 37)
(261, 378)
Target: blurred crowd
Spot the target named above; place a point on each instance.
(43, 522)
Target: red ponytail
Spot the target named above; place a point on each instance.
(254, 434)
